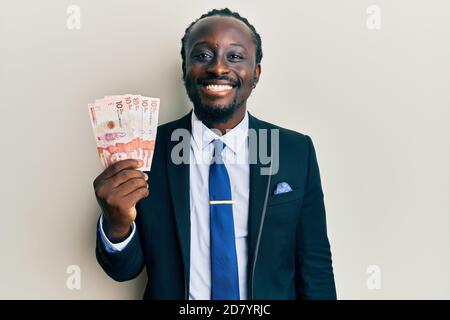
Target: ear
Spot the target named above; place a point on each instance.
(256, 74)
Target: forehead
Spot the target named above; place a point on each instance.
(220, 30)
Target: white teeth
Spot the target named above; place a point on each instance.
(218, 87)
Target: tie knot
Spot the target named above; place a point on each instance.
(218, 148)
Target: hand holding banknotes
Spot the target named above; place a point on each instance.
(125, 129)
(118, 188)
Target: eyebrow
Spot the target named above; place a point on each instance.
(199, 43)
(237, 45)
(207, 43)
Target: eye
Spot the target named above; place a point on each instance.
(235, 56)
(203, 56)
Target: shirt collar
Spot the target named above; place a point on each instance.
(234, 139)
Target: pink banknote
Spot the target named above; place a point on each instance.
(125, 127)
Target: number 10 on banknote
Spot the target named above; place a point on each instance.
(125, 127)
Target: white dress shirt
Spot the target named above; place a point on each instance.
(235, 158)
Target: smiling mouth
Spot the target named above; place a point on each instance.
(218, 87)
(217, 90)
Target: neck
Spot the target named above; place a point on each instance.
(235, 119)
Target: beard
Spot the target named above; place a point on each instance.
(210, 114)
(214, 114)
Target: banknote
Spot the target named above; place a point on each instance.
(150, 107)
(125, 127)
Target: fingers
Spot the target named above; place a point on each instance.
(130, 186)
(137, 195)
(120, 186)
(122, 165)
(125, 175)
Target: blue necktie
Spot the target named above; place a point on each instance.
(224, 268)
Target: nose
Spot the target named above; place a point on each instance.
(218, 66)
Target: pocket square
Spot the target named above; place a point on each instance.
(282, 187)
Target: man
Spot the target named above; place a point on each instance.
(220, 229)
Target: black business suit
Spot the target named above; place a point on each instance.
(288, 249)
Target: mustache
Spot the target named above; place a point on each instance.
(236, 82)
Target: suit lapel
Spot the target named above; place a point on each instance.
(178, 176)
(258, 185)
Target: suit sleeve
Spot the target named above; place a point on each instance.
(122, 265)
(314, 272)
(114, 247)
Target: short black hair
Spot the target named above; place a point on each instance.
(227, 13)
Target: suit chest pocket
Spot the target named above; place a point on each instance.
(291, 197)
(282, 210)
